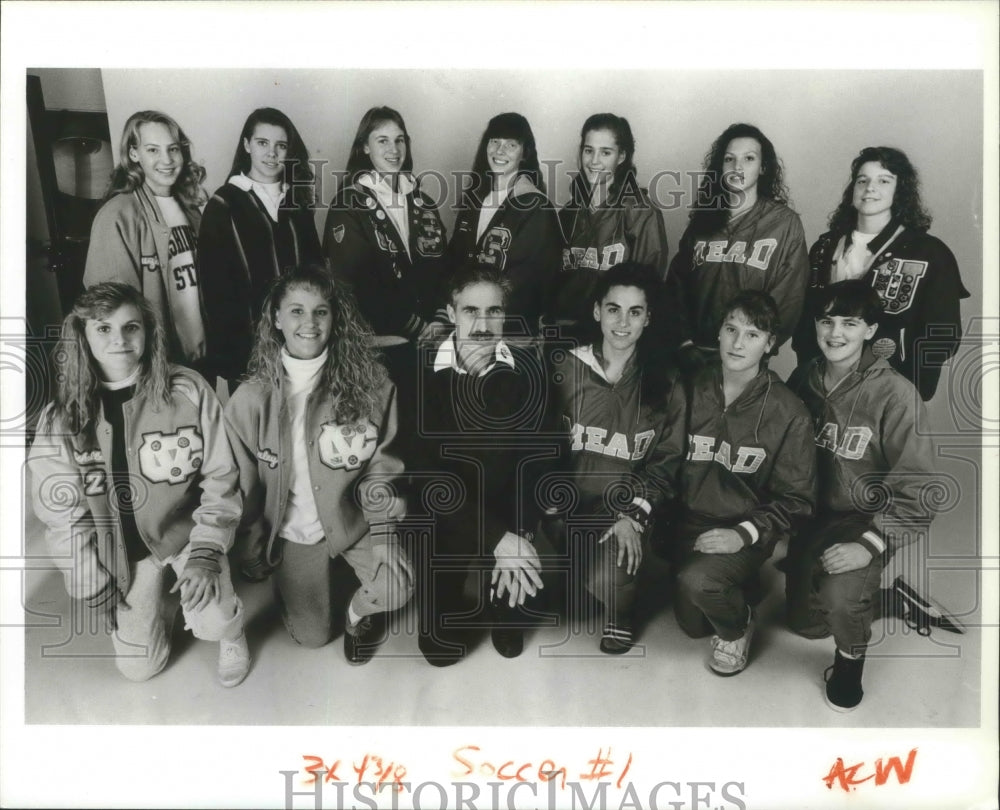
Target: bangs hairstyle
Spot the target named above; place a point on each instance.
(77, 373)
(476, 274)
(711, 207)
(907, 207)
(758, 307)
(854, 298)
(624, 176)
(359, 162)
(298, 171)
(510, 126)
(352, 374)
(128, 175)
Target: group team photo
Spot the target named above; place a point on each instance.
(449, 389)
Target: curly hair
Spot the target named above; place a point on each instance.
(77, 374)
(128, 176)
(298, 171)
(352, 373)
(624, 177)
(907, 207)
(359, 162)
(510, 126)
(710, 212)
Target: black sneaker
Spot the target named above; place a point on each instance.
(921, 612)
(362, 639)
(616, 638)
(843, 683)
(508, 641)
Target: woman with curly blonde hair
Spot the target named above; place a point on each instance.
(145, 233)
(132, 474)
(314, 430)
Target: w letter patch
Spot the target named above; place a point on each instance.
(171, 458)
(347, 447)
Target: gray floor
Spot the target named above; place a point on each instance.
(560, 680)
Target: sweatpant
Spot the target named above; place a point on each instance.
(595, 564)
(711, 589)
(142, 640)
(820, 603)
(303, 584)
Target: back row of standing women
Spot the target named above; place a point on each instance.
(207, 272)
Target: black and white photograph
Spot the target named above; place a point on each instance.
(500, 405)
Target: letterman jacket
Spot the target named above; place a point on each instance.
(397, 292)
(871, 457)
(352, 469)
(241, 250)
(181, 465)
(129, 242)
(597, 239)
(750, 466)
(917, 278)
(625, 454)
(764, 249)
(523, 242)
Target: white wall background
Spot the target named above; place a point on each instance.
(817, 119)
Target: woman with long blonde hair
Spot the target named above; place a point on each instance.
(132, 474)
(313, 429)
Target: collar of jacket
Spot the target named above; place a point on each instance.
(712, 378)
(591, 357)
(367, 180)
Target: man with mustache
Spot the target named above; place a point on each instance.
(483, 407)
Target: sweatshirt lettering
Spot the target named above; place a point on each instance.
(721, 251)
(592, 440)
(851, 445)
(580, 258)
(747, 461)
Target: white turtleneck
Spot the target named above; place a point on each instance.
(301, 523)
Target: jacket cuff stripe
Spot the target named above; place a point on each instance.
(748, 532)
(873, 543)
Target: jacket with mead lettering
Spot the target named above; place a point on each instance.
(629, 229)
(751, 465)
(764, 249)
(352, 468)
(871, 457)
(185, 497)
(624, 451)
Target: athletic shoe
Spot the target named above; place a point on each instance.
(843, 683)
(363, 638)
(234, 661)
(616, 638)
(921, 612)
(730, 657)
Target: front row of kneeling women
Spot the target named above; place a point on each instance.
(135, 468)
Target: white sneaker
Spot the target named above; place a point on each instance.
(234, 661)
(730, 657)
